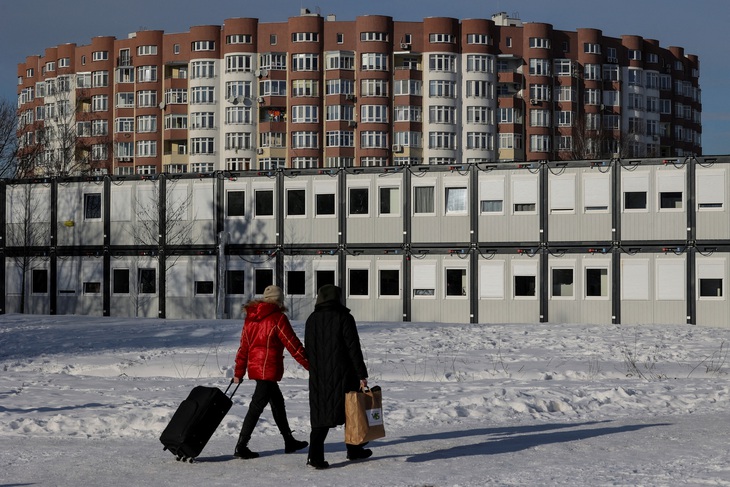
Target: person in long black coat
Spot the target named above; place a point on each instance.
(336, 366)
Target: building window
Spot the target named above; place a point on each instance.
(204, 288)
(202, 145)
(305, 37)
(296, 202)
(324, 204)
(670, 200)
(423, 200)
(202, 94)
(524, 286)
(120, 281)
(39, 281)
(146, 98)
(456, 282)
(442, 140)
(442, 63)
(235, 282)
(305, 140)
(239, 63)
(358, 282)
(442, 88)
(539, 67)
(374, 62)
(478, 39)
(635, 200)
(596, 282)
(236, 203)
(203, 46)
(374, 36)
(539, 43)
(424, 280)
(239, 39)
(389, 282)
(146, 281)
(100, 79)
(710, 287)
(456, 200)
(442, 39)
(374, 113)
(389, 201)
(373, 87)
(305, 114)
(296, 283)
(146, 50)
(591, 48)
(92, 206)
(147, 74)
(305, 62)
(373, 139)
(99, 103)
(358, 201)
(562, 283)
(264, 202)
(262, 279)
(540, 143)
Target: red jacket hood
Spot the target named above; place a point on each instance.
(258, 310)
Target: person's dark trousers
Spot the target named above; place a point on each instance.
(267, 392)
(316, 443)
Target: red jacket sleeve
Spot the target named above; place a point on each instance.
(291, 342)
(242, 355)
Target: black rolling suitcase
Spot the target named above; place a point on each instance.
(195, 421)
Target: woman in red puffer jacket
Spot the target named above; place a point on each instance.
(266, 332)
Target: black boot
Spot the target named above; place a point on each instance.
(357, 452)
(242, 450)
(318, 464)
(291, 445)
(244, 453)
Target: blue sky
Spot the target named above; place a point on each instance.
(701, 27)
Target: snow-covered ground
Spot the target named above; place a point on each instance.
(83, 401)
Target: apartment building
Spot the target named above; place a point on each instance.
(317, 92)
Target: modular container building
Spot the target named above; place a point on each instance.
(613, 241)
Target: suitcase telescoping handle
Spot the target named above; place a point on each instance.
(234, 389)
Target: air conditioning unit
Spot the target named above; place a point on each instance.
(260, 150)
(397, 148)
(352, 123)
(405, 45)
(125, 159)
(261, 100)
(612, 60)
(533, 101)
(349, 96)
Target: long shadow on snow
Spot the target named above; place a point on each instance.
(53, 409)
(514, 440)
(23, 340)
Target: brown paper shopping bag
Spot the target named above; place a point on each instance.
(364, 416)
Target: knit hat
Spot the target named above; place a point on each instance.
(273, 294)
(329, 292)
